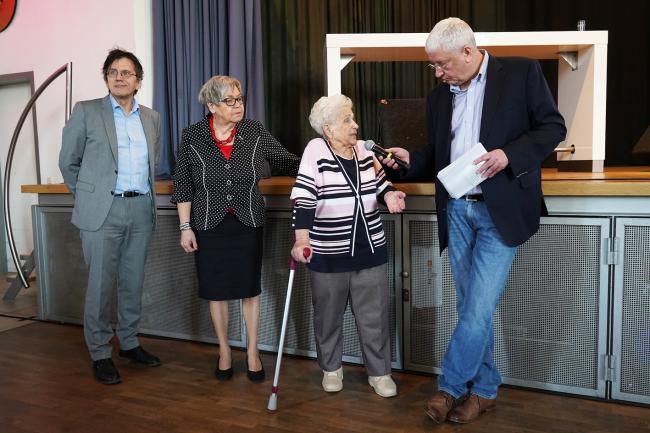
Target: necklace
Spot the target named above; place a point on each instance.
(213, 132)
(225, 141)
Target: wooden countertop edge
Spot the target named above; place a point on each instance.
(282, 186)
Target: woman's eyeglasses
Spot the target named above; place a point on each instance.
(231, 102)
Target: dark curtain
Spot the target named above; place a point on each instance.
(294, 41)
(194, 40)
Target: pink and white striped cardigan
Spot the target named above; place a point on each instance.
(329, 204)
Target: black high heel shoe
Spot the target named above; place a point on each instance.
(256, 376)
(223, 374)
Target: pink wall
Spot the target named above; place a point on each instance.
(47, 34)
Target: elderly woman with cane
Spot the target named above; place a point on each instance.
(221, 211)
(336, 214)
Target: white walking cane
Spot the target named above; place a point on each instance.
(273, 399)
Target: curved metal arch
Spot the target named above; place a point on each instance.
(67, 68)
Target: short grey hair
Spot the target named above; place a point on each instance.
(450, 34)
(326, 111)
(214, 90)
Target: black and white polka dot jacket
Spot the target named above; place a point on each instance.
(213, 183)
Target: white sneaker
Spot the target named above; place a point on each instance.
(333, 380)
(383, 385)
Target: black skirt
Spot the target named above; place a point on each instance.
(229, 260)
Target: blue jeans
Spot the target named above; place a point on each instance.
(480, 263)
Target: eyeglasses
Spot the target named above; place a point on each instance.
(438, 67)
(123, 73)
(231, 102)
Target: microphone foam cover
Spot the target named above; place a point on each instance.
(369, 144)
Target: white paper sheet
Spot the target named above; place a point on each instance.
(460, 176)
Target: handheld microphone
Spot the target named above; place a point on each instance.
(371, 146)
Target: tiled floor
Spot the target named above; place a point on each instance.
(13, 313)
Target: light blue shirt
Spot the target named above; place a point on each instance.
(467, 114)
(132, 151)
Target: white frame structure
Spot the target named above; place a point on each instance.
(582, 75)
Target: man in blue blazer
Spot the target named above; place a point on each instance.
(505, 104)
(107, 160)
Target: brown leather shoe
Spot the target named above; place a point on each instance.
(438, 406)
(471, 409)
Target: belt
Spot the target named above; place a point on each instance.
(472, 197)
(127, 194)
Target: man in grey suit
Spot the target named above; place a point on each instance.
(107, 161)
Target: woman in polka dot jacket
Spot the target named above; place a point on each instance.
(220, 161)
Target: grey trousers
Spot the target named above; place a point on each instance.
(368, 293)
(116, 252)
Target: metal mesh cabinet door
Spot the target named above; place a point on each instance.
(170, 303)
(551, 323)
(631, 349)
(550, 326)
(429, 308)
(61, 270)
(299, 339)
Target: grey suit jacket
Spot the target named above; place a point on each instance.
(88, 159)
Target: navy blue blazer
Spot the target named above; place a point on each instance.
(519, 117)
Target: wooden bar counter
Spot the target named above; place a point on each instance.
(614, 181)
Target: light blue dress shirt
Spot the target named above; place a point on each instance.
(132, 151)
(467, 114)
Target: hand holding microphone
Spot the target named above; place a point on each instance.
(393, 157)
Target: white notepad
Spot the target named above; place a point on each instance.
(460, 176)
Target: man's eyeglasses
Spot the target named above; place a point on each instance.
(438, 67)
(232, 101)
(123, 73)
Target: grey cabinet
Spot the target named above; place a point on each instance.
(551, 323)
(170, 305)
(575, 315)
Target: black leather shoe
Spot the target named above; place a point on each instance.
(141, 356)
(256, 376)
(105, 372)
(223, 374)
